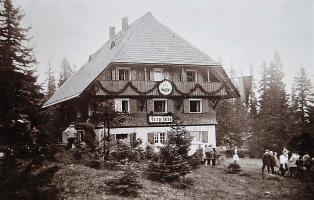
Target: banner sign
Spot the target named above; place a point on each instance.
(160, 119)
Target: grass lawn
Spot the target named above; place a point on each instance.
(76, 181)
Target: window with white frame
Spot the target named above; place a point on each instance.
(196, 135)
(191, 75)
(123, 74)
(160, 105)
(158, 74)
(122, 105)
(160, 138)
(195, 105)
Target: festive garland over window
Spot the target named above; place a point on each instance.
(130, 84)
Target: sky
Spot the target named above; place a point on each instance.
(242, 33)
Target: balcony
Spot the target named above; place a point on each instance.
(150, 88)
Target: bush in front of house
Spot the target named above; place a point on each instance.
(233, 168)
(196, 159)
(172, 159)
(124, 151)
(125, 184)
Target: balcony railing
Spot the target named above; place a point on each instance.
(150, 88)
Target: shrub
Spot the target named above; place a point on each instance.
(196, 159)
(122, 151)
(23, 185)
(172, 160)
(233, 168)
(125, 184)
(95, 164)
(77, 155)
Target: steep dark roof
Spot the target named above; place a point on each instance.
(145, 41)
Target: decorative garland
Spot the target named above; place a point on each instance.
(130, 84)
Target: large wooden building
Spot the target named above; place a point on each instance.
(150, 74)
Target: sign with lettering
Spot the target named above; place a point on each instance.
(155, 119)
(165, 87)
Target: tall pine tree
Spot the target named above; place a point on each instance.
(273, 120)
(301, 100)
(20, 94)
(51, 83)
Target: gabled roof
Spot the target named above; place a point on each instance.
(145, 41)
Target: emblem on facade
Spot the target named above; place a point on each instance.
(165, 87)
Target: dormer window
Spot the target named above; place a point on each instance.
(191, 75)
(123, 74)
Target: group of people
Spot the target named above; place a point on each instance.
(211, 155)
(294, 163)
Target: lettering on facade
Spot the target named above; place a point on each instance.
(166, 118)
(165, 87)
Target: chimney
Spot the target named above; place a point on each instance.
(112, 32)
(125, 23)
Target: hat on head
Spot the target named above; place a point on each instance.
(270, 152)
(266, 150)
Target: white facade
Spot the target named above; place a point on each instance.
(142, 133)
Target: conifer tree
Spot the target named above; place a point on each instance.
(66, 71)
(301, 99)
(20, 94)
(173, 157)
(51, 83)
(273, 120)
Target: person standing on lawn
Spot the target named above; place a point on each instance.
(306, 160)
(266, 161)
(283, 159)
(276, 168)
(293, 164)
(272, 162)
(209, 154)
(71, 133)
(215, 155)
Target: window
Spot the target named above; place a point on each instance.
(191, 75)
(124, 74)
(158, 74)
(195, 105)
(122, 105)
(160, 138)
(121, 136)
(197, 136)
(160, 105)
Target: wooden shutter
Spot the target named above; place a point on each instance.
(113, 74)
(132, 137)
(151, 75)
(187, 134)
(150, 137)
(186, 106)
(205, 136)
(118, 105)
(183, 75)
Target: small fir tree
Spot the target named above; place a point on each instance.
(172, 162)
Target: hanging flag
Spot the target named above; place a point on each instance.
(245, 86)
